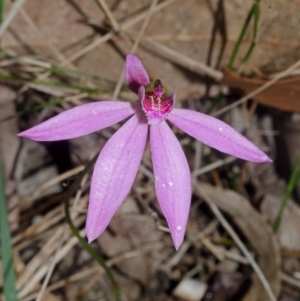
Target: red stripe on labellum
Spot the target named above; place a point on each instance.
(155, 105)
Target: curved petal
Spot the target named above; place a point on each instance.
(80, 121)
(172, 179)
(135, 73)
(217, 134)
(114, 173)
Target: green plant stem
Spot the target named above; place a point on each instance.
(83, 242)
(9, 280)
(294, 179)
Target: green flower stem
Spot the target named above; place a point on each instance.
(83, 242)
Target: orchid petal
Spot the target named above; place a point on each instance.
(135, 73)
(114, 173)
(80, 121)
(216, 134)
(172, 179)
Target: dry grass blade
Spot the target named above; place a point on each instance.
(58, 179)
(56, 53)
(272, 81)
(53, 261)
(135, 45)
(98, 41)
(50, 268)
(145, 249)
(34, 230)
(243, 248)
(46, 35)
(212, 166)
(109, 15)
(175, 259)
(46, 251)
(182, 60)
(12, 13)
(256, 231)
(42, 271)
(290, 280)
(61, 283)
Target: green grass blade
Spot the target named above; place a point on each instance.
(1, 19)
(294, 179)
(256, 13)
(9, 281)
(89, 90)
(77, 74)
(35, 108)
(1, 10)
(241, 36)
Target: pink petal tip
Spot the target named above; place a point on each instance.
(172, 179)
(135, 73)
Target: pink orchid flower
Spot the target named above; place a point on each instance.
(119, 160)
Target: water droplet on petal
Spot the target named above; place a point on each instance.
(164, 185)
(220, 129)
(178, 228)
(94, 112)
(170, 184)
